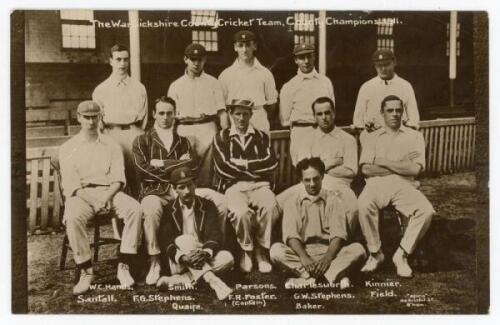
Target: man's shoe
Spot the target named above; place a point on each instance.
(263, 262)
(84, 282)
(123, 275)
(402, 268)
(373, 262)
(246, 264)
(153, 274)
(299, 282)
(164, 282)
(345, 283)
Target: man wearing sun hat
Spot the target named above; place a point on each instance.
(245, 162)
(190, 238)
(247, 78)
(367, 114)
(200, 107)
(92, 176)
(298, 94)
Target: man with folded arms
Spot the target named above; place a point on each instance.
(200, 108)
(124, 106)
(245, 162)
(297, 96)
(156, 154)
(316, 244)
(391, 157)
(92, 176)
(190, 238)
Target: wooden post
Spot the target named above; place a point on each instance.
(453, 55)
(322, 43)
(135, 52)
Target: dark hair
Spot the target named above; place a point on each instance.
(322, 100)
(164, 99)
(314, 162)
(389, 98)
(117, 48)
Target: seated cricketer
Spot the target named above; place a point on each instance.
(244, 162)
(156, 154)
(93, 174)
(190, 238)
(391, 157)
(339, 152)
(315, 235)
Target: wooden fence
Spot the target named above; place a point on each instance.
(450, 146)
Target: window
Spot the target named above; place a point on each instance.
(203, 33)
(448, 39)
(385, 40)
(78, 31)
(303, 28)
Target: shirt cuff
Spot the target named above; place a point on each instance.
(178, 255)
(209, 251)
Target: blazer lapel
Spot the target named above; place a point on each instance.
(199, 216)
(177, 214)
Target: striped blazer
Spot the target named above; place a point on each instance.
(148, 146)
(255, 149)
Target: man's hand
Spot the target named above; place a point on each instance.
(308, 264)
(410, 156)
(185, 156)
(322, 266)
(157, 163)
(195, 259)
(243, 163)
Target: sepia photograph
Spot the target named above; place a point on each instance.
(250, 162)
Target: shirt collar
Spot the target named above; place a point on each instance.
(402, 129)
(303, 195)
(387, 82)
(81, 138)
(333, 133)
(185, 207)
(165, 132)
(232, 130)
(201, 76)
(256, 64)
(311, 75)
(115, 80)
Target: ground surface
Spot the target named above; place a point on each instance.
(445, 280)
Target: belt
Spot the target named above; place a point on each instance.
(123, 126)
(197, 120)
(94, 185)
(303, 124)
(317, 240)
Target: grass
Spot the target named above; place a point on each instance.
(445, 279)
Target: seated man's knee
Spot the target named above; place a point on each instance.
(277, 252)
(151, 207)
(225, 258)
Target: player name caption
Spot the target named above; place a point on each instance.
(253, 295)
(383, 289)
(314, 296)
(179, 298)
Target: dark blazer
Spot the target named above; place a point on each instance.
(148, 146)
(207, 228)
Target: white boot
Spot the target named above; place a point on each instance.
(401, 262)
(154, 273)
(86, 279)
(373, 262)
(123, 275)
